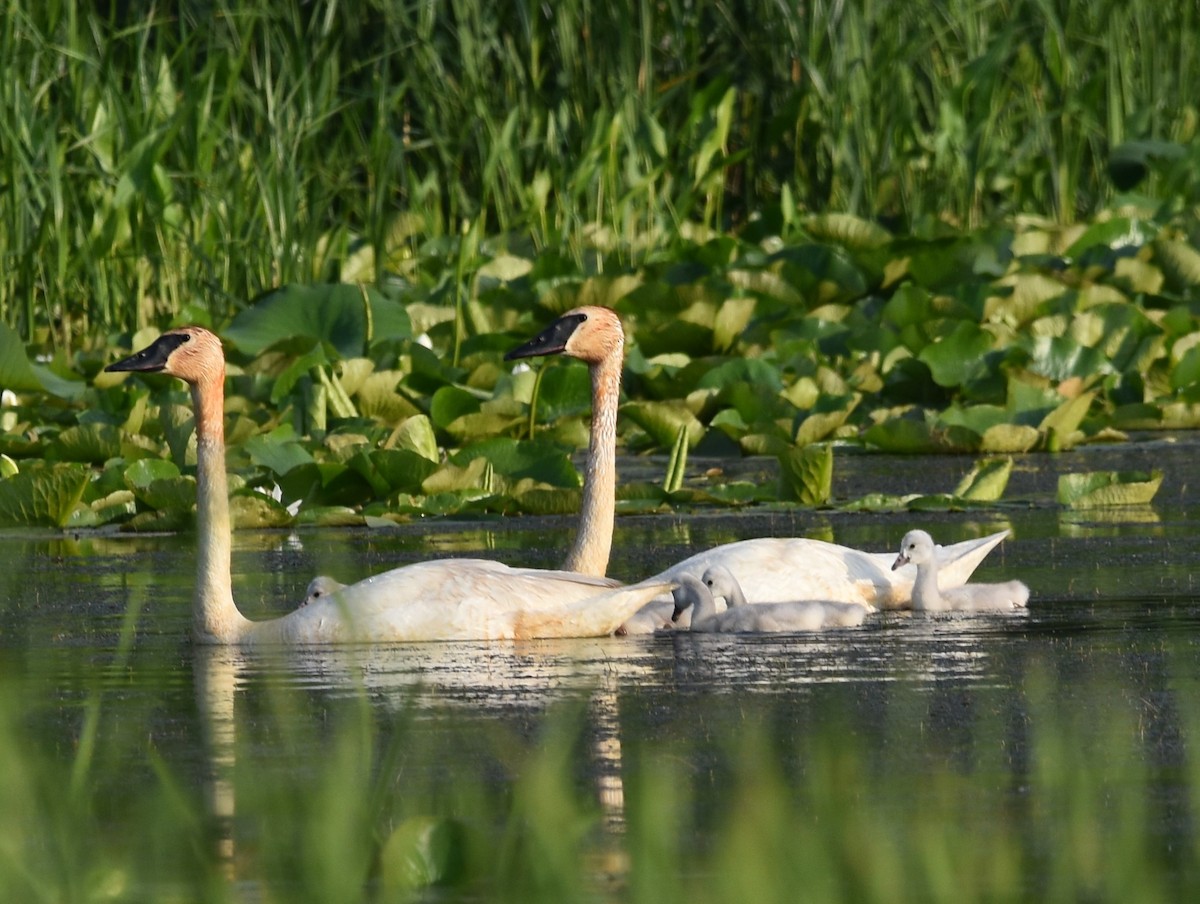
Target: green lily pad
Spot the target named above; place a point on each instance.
(908, 436)
(450, 403)
(1101, 488)
(986, 481)
(402, 469)
(43, 496)
(519, 459)
(19, 374)
(168, 494)
(549, 501)
(88, 443)
(960, 356)
(1187, 371)
(663, 421)
(848, 230)
(144, 471)
(1009, 438)
(806, 474)
(276, 455)
(416, 435)
(249, 510)
(347, 317)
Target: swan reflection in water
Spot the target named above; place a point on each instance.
(425, 679)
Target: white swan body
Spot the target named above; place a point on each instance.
(809, 615)
(917, 548)
(775, 568)
(721, 582)
(449, 599)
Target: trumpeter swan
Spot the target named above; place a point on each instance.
(448, 599)
(806, 615)
(917, 548)
(768, 569)
(593, 335)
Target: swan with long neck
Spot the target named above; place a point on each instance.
(447, 599)
(743, 618)
(917, 548)
(768, 568)
(593, 335)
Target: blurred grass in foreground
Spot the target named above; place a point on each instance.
(351, 803)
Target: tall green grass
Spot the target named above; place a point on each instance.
(162, 161)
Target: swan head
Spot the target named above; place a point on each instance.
(916, 548)
(191, 353)
(590, 333)
(321, 585)
(720, 582)
(690, 591)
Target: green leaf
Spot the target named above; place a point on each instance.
(1187, 370)
(88, 443)
(663, 421)
(986, 481)
(909, 437)
(144, 471)
(169, 494)
(416, 435)
(403, 469)
(519, 459)
(1066, 418)
(732, 318)
(43, 496)
(848, 230)
(806, 474)
(752, 371)
(1009, 438)
(1061, 357)
(563, 391)
(347, 317)
(1180, 262)
(959, 357)
(450, 403)
(251, 510)
(1101, 488)
(278, 456)
(18, 374)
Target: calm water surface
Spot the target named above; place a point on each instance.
(1111, 633)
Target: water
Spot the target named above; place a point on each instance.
(1108, 649)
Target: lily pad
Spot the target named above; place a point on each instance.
(1101, 488)
(18, 374)
(42, 496)
(986, 481)
(806, 474)
(415, 435)
(346, 317)
(663, 421)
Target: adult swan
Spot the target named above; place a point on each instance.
(447, 599)
(768, 568)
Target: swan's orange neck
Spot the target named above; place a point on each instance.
(215, 618)
(593, 542)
